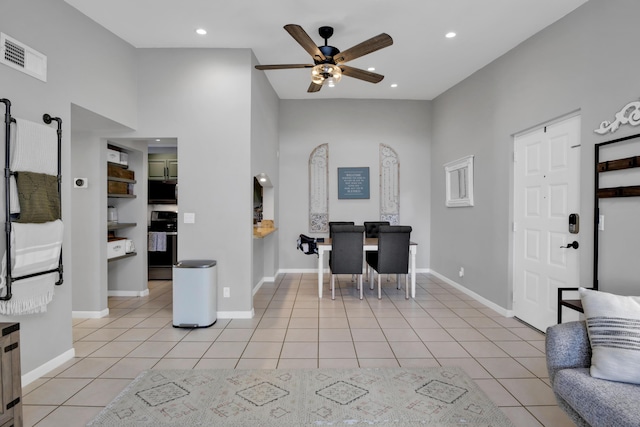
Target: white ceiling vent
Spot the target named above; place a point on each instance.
(21, 57)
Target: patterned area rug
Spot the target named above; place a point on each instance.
(301, 397)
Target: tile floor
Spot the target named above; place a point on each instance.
(292, 328)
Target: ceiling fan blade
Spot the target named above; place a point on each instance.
(374, 43)
(301, 36)
(282, 66)
(314, 87)
(357, 73)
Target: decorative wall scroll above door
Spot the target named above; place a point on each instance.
(389, 185)
(629, 115)
(319, 189)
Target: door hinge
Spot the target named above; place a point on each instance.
(13, 403)
(11, 347)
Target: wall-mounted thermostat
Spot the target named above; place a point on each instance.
(80, 183)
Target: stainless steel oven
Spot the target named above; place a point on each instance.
(163, 246)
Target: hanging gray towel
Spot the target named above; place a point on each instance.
(157, 241)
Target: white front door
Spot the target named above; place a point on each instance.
(546, 191)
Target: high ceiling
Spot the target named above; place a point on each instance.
(422, 62)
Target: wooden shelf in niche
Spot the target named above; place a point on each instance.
(121, 196)
(129, 255)
(121, 225)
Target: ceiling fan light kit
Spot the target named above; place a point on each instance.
(327, 67)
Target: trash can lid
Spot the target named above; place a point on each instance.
(196, 263)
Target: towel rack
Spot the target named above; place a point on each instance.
(8, 120)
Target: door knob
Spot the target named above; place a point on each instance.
(573, 245)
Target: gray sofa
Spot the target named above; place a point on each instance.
(588, 401)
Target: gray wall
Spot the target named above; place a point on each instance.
(87, 66)
(354, 130)
(583, 62)
(202, 97)
(264, 159)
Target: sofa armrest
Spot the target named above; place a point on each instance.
(567, 346)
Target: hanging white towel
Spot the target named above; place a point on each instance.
(34, 248)
(34, 148)
(157, 241)
(13, 194)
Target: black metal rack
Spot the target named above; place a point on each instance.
(8, 120)
(602, 193)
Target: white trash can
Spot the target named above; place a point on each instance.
(195, 293)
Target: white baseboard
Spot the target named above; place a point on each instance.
(52, 364)
(90, 314)
(236, 314)
(264, 280)
(501, 310)
(128, 293)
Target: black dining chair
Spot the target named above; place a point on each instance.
(372, 229)
(392, 256)
(332, 224)
(346, 258)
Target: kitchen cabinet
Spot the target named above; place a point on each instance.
(162, 168)
(10, 375)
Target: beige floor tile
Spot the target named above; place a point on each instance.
(70, 416)
(85, 348)
(104, 334)
(378, 363)
(336, 350)
(31, 414)
(284, 363)
(400, 335)
(262, 350)
(466, 334)
(137, 334)
(92, 323)
(520, 417)
(273, 323)
(483, 349)
(216, 364)
(536, 365)
(470, 365)
(551, 416)
(152, 349)
(243, 323)
(418, 363)
(373, 350)
(338, 363)
(363, 323)
(499, 334)
(203, 334)
(257, 364)
(124, 323)
(333, 323)
(129, 367)
(410, 350)
(169, 334)
(332, 313)
(225, 350)
(188, 350)
(519, 349)
(56, 391)
(175, 364)
(270, 334)
(91, 367)
(304, 312)
(393, 323)
(528, 334)
(501, 367)
(453, 322)
(115, 349)
(299, 350)
(99, 392)
(367, 335)
(496, 392)
(304, 323)
(530, 391)
(237, 334)
(434, 335)
(446, 349)
(359, 312)
(154, 322)
(299, 335)
(333, 335)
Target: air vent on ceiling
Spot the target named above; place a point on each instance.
(23, 58)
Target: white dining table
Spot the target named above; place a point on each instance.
(370, 244)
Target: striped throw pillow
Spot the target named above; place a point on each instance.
(613, 324)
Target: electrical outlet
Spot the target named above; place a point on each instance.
(226, 292)
(461, 272)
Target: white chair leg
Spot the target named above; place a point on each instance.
(371, 277)
(379, 287)
(360, 284)
(398, 281)
(406, 285)
(333, 284)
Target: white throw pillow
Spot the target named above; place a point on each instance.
(613, 324)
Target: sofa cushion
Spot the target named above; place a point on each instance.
(599, 402)
(613, 324)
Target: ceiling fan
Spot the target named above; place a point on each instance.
(328, 62)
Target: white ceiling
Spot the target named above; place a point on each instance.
(421, 61)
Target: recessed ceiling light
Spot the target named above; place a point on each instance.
(394, 84)
(158, 140)
(450, 35)
(201, 31)
(371, 68)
